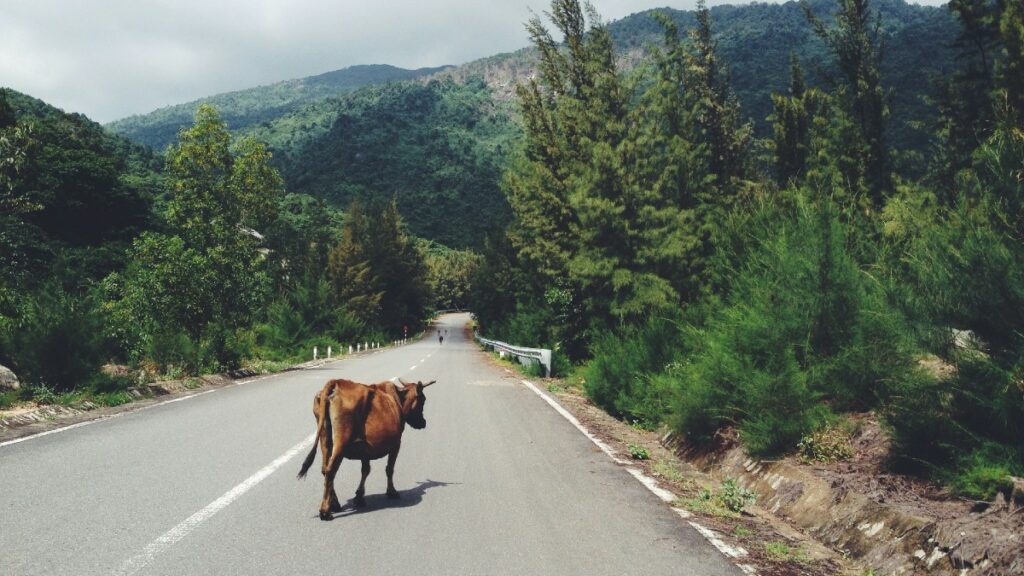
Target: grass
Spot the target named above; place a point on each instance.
(727, 502)
(638, 452)
(705, 503)
(668, 470)
(741, 532)
(826, 444)
(555, 389)
(8, 399)
(267, 366)
(778, 551)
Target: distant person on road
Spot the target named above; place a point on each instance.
(440, 339)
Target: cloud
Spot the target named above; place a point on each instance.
(112, 58)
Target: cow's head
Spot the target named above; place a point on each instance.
(413, 401)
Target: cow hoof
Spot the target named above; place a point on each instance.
(326, 516)
(335, 506)
(394, 495)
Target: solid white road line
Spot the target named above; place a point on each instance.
(105, 418)
(651, 484)
(174, 535)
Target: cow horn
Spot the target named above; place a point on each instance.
(429, 383)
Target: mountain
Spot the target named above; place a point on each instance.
(437, 148)
(245, 108)
(438, 144)
(94, 191)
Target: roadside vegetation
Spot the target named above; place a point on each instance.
(704, 279)
(121, 267)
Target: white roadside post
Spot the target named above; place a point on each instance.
(349, 348)
(328, 352)
(314, 352)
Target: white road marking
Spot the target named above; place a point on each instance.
(134, 410)
(104, 418)
(650, 483)
(174, 535)
(572, 420)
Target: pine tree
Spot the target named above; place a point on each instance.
(862, 111)
(356, 289)
(792, 124)
(718, 110)
(1010, 69)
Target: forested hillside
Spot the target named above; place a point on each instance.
(81, 196)
(246, 108)
(439, 147)
(755, 42)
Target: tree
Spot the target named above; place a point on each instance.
(204, 275)
(377, 272)
(1010, 70)
(356, 288)
(15, 142)
(450, 275)
(727, 135)
(792, 123)
(860, 126)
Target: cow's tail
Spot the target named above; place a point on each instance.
(320, 422)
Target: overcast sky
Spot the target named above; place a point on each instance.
(112, 58)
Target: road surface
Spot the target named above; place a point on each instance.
(498, 483)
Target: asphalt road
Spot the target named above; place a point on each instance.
(497, 483)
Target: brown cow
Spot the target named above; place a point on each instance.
(362, 422)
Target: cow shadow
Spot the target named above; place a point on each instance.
(409, 498)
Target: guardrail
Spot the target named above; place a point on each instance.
(541, 355)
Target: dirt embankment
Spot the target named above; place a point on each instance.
(847, 517)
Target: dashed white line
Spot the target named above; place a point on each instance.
(174, 535)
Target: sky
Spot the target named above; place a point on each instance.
(109, 59)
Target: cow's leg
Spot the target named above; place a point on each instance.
(327, 441)
(340, 436)
(330, 501)
(360, 501)
(392, 456)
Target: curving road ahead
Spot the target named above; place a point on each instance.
(498, 483)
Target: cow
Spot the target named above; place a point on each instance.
(362, 422)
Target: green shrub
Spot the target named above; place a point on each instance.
(638, 452)
(174, 350)
(803, 330)
(623, 376)
(59, 344)
(735, 497)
